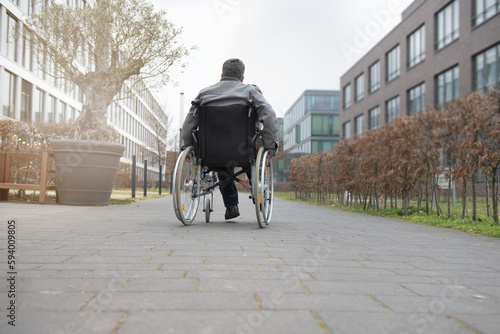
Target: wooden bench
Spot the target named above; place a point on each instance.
(6, 168)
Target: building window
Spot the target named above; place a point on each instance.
(392, 109)
(38, 103)
(27, 52)
(374, 115)
(311, 101)
(8, 94)
(416, 99)
(447, 85)
(321, 146)
(484, 9)
(26, 92)
(325, 125)
(487, 69)
(347, 129)
(375, 77)
(26, 6)
(347, 96)
(447, 25)
(416, 47)
(10, 38)
(72, 115)
(360, 120)
(64, 113)
(360, 87)
(297, 134)
(51, 114)
(392, 64)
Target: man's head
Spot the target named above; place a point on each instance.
(233, 68)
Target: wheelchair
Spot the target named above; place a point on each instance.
(227, 137)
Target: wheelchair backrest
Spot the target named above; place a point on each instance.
(226, 135)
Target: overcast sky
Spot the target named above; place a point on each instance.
(288, 46)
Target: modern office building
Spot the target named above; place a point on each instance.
(440, 50)
(311, 125)
(28, 94)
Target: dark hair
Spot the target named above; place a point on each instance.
(233, 68)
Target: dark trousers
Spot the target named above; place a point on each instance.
(228, 188)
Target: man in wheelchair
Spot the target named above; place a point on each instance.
(229, 91)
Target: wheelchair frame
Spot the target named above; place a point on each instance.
(193, 179)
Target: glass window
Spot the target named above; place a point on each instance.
(375, 77)
(336, 125)
(392, 109)
(447, 85)
(347, 130)
(416, 99)
(447, 21)
(73, 114)
(487, 69)
(26, 92)
(51, 113)
(10, 38)
(38, 104)
(27, 52)
(321, 146)
(64, 112)
(360, 87)
(347, 96)
(392, 64)
(416, 47)
(374, 115)
(484, 9)
(8, 94)
(297, 134)
(360, 120)
(26, 6)
(325, 125)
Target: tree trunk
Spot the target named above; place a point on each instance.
(474, 196)
(91, 124)
(464, 196)
(449, 197)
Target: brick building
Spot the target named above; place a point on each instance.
(440, 50)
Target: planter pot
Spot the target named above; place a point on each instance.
(85, 170)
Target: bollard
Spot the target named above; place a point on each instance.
(159, 188)
(133, 175)
(171, 181)
(145, 178)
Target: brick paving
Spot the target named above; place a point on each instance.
(136, 269)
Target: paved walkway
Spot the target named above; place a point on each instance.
(136, 269)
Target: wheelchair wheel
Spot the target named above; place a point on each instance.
(207, 211)
(185, 187)
(263, 188)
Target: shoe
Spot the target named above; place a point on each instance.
(232, 212)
